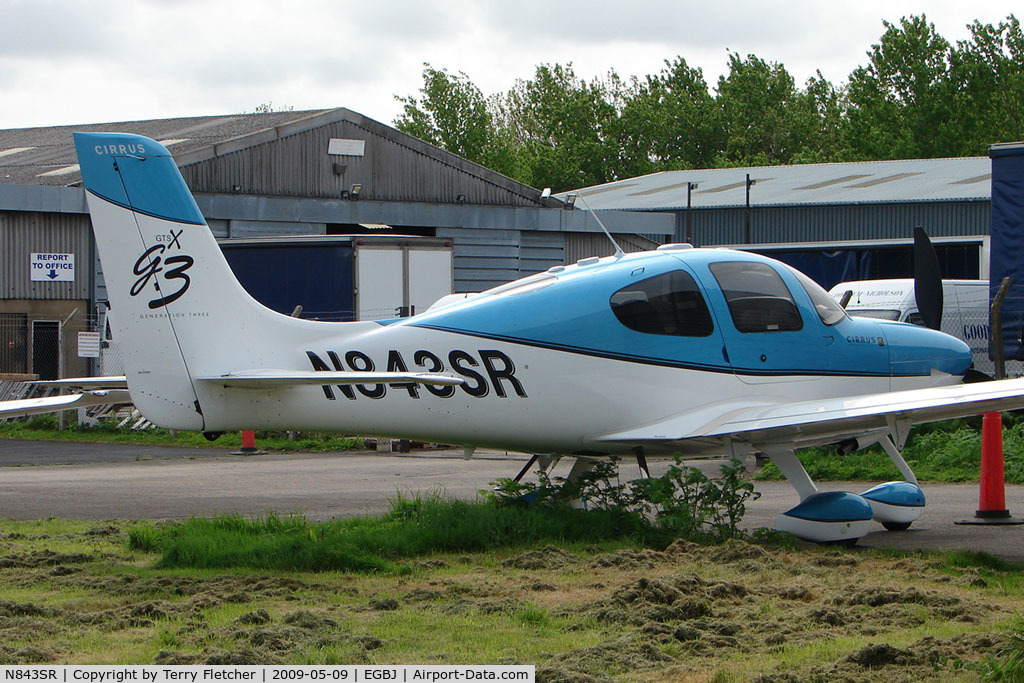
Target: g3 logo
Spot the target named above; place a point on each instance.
(151, 264)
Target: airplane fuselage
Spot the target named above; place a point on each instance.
(523, 348)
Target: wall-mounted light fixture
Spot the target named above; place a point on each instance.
(461, 199)
(236, 188)
(354, 192)
(570, 201)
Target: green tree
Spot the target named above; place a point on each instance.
(562, 128)
(821, 109)
(901, 103)
(988, 73)
(758, 104)
(669, 121)
(453, 114)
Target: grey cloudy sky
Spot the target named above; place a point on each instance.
(68, 61)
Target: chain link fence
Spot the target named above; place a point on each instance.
(48, 346)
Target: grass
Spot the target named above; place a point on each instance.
(107, 602)
(944, 452)
(414, 527)
(44, 428)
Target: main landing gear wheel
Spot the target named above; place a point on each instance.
(896, 526)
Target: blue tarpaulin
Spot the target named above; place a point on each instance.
(1007, 246)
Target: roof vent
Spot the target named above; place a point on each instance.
(588, 261)
(678, 246)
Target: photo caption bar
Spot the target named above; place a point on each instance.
(366, 673)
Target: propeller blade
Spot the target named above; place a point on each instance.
(927, 280)
(972, 376)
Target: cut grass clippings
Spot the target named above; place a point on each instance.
(75, 593)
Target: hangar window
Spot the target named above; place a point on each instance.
(757, 297)
(670, 304)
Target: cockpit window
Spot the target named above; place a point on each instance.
(757, 297)
(670, 304)
(829, 310)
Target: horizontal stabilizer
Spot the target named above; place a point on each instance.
(54, 404)
(267, 379)
(111, 382)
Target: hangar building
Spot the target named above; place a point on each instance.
(836, 222)
(328, 172)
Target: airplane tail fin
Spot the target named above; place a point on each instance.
(158, 256)
(196, 343)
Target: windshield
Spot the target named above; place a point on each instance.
(828, 309)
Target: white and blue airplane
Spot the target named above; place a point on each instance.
(678, 350)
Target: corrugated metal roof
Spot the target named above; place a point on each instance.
(44, 156)
(866, 182)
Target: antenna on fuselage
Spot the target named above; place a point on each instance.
(576, 196)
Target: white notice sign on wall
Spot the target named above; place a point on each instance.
(52, 268)
(88, 344)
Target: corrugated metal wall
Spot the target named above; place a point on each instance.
(839, 223)
(299, 166)
(580, 245)
(25, 233)
(483, 258)
(538, 251)
(488, 258)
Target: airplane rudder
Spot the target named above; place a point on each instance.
(137, 173)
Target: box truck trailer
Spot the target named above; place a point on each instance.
(344, 277)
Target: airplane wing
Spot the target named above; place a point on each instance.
(267, 379)
(53, 404)
(808, 423)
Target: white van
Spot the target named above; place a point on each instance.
(965, 311)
